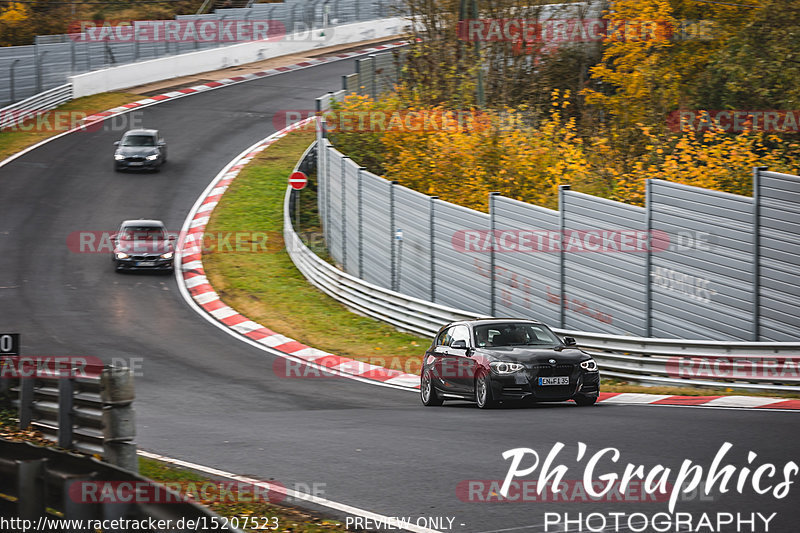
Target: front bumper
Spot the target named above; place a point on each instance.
(524, 385)
(127, 164)
(144, 264)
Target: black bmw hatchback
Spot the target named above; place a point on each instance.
(489, 361)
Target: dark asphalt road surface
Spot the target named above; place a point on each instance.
(206, 398)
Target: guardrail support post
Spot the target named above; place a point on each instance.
(562, 301)
(373, 68)
(66, 388)
(492, 276)
(432, 230)
(361, 172)
(757, 252)
(30, 489)
(648, 265)
(327, 228)
(393, 247)
(119, 427)
(26, 386)
(344, 211)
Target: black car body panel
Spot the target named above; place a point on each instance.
(540, 367)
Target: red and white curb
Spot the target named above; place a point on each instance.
(723, 402)
(195, 287)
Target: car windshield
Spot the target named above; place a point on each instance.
(138, 140)
(515, 334)
(142, 233)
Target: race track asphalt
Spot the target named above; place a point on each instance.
(206, 398)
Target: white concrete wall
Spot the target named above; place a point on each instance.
(133, 74)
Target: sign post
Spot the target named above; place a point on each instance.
(298, 181)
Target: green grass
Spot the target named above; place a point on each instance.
(15, 140)
(266, 286)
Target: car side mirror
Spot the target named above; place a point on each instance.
(116, 143)
(162, 143)
(459, 345)
(570, 341)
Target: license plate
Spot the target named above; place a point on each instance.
(146, 263)
(558, 380)
(136, 163)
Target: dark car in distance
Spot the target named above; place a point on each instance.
(143, 245)
(490, 361)
(140, 150)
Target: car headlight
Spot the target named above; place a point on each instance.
(167, 255)
(589, 365)
(152, 157)
(119, 157)
(121, 255)
(501, 367)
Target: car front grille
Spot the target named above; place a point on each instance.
(145, 257)
(545, 371)
(135, 159)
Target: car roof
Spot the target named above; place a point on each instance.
(144, 222)
(141, 132)
(482, 321)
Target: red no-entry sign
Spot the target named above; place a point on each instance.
(298, 180)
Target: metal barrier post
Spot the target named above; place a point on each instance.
(757, 251)
(648, 258)
(119, 427)
(25, 402)
(66, 390)
(327, 228)
(561, 281)
(492, 274)
(361, 172)
(30, 488)
(344, 212)
(393, 254)
(432, 249)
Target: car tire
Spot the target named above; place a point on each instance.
(427, 392)
(483, 392)
(585, 401)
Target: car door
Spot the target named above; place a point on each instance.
(461, 361)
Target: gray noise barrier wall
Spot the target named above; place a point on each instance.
(334, 201)
(377, 237)
(413, 252)
(692, 264)
(702, 280)
(778, 226)
(462, 281)
(605, 267)
(526, 282)
(352, 219)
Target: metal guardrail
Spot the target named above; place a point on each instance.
(16, 114)
(87, 408)
(37, 481)
(766, 366)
